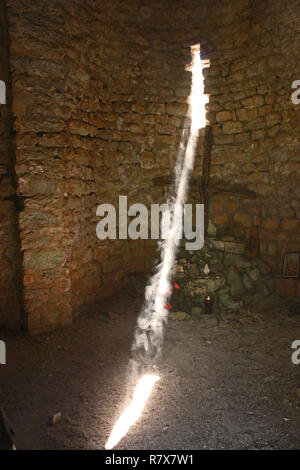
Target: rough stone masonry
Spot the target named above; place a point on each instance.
(96, 103)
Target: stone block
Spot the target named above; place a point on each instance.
(232, 127)
(224, 116)
(235, 282)
(234, 247)
(236, 260)
(243, 218)
(255, 275)
(271, 223)
(211, 229)
(290, 224)
(248, 282)
(254, 101)
(180, 316)
(43, 260)
(220, 219)
(177, 109)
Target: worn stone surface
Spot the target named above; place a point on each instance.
(248, 282)
(228, 303)
(179, 316)
(254, 274)
(232, 373)
(196, 312)
(234, 281)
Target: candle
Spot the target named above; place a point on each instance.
(208, 303)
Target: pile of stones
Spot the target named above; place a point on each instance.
(233, 280)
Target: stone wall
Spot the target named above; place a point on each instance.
(255, 124)
(254, 57)
(99, 101)
(95, 117)
(39, 110)
(10, 292)
(121, 138)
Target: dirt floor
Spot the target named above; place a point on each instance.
(227, 382)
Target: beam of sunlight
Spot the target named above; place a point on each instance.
(149, 334)
(133, 411)
(198, 99)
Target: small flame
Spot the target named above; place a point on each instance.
(133, 411)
